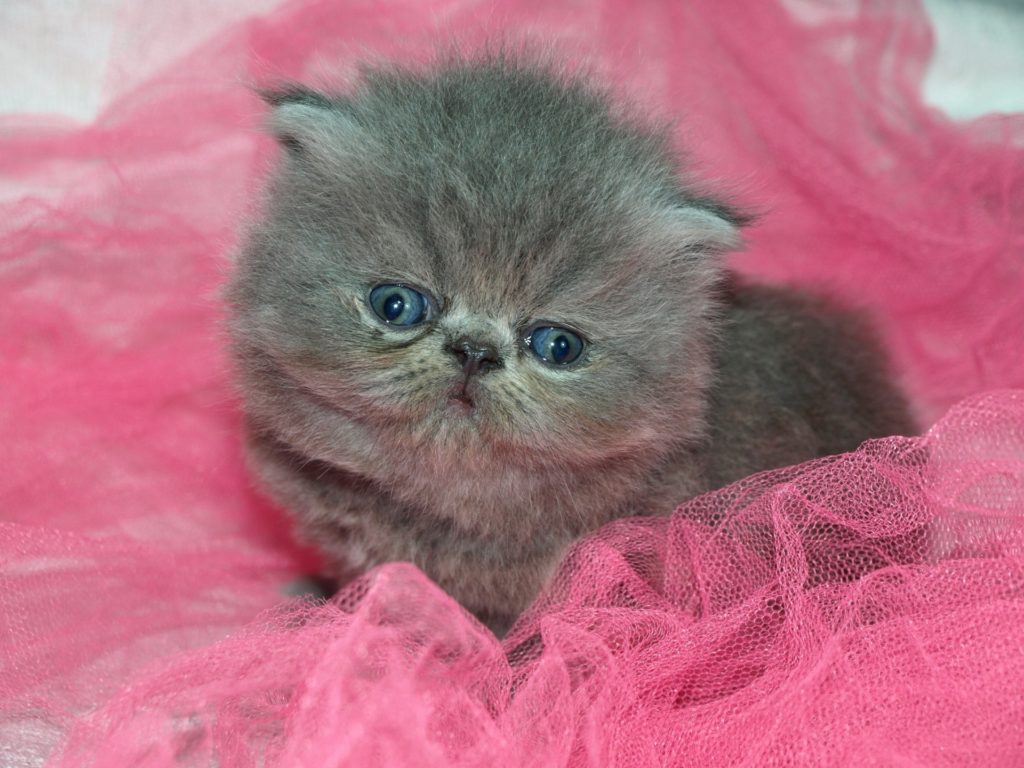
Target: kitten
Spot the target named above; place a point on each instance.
(484, 314)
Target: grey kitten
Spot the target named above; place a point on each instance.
(484, 314)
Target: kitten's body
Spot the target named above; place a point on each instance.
(514, 197)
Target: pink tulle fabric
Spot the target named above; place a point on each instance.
(865, 609)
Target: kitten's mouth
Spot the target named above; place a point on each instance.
(460, 399)
(462, 402)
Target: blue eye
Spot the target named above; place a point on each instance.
(399, 304)
(555, 345)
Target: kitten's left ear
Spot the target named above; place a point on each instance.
(706, 226)
(307, 121)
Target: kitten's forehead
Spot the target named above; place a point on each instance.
(494, 259)
(517, 182)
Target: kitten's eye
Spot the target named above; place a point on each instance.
(399, 304)
(555, 345)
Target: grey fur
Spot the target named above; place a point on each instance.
(514, 194)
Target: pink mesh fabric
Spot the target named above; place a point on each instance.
(859, 610)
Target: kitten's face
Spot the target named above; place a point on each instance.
(478, 272)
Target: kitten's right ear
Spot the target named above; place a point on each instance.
(306, 121)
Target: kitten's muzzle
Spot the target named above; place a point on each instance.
(475, 357)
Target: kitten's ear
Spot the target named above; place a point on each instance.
(308, 122)
(707, 226)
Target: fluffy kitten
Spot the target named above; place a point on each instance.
(484, 315)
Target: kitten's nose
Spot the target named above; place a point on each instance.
(475, 356)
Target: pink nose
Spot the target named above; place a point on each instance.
(475, 357)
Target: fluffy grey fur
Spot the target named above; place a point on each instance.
(513, 195)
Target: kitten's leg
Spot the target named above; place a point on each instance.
(312, 587)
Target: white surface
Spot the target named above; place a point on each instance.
(54, 53)
(979, 61)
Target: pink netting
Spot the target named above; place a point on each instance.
(864, 609)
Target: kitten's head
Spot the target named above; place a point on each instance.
(483, 264)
